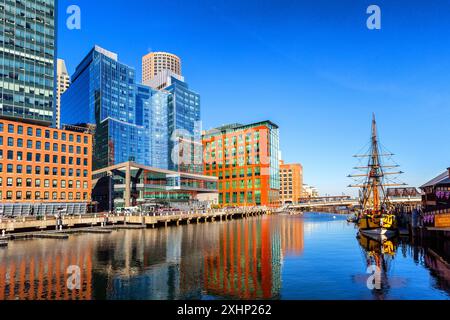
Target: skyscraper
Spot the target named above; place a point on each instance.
(62, 84)
(156, 62)
(103, 93)
(184, 125)
(27, 60)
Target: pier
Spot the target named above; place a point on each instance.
(49, 227)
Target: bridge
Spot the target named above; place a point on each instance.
(345, 203)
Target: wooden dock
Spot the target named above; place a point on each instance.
(44, 228)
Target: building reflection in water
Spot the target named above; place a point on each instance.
(237, 259)
(39, 271)
(247, 262)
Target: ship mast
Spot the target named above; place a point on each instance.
(376, 172)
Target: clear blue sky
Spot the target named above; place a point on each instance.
(310, 66)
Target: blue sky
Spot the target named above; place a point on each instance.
(312, 67)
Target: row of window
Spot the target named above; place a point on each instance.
(46, 171)
(38, 146)
(38, 196)
(38, 158)
(38, 132)
(46, 183)
(248, 197)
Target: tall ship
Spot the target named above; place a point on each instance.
(375, 218)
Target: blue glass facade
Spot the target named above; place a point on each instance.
(103, 92)
(131, 119)
(184, 127)
(27, 60)
(152, 114)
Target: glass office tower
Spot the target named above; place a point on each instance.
(27, 60)
(152, 114)
(103, 92)
(185, 145)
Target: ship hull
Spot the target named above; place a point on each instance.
(378, 228)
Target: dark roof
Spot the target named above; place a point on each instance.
(443, 178)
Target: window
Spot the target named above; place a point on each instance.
(78, 139)
(37, 195)
(19, 169)
(29, 169)
(10, 142)
(55, 135)
(29, 156)
(63, 148)
(9, 168)
(63, 136)
(19, 195)
(28, 195)
(38, 145)
(38, 133)
(46, 195)
(10, 155)
(37, 170)
(10, 128)
(30, 131)
(29, 144)
(55, 196)
(9, 182)
(38, 157)
(47, 134)
(47, 146)
(63, 183)
(55, 147)
(19, 182)
(70, 137)
(9, 195)
(47, 183)
(20, 143)
(70, 184)
(55, 183)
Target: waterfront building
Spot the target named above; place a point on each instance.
(157, 62)
(184, 126)
(130, 184)
(309, 192)
(245, 158)
(27, 61)
(436, 199)
(62, 84)
(291, 182)
(103, 93)
(43, 169)
(157, 128)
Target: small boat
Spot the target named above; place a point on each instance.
(376, 218)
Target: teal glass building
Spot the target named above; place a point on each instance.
(27, 60)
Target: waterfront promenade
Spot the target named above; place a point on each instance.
(32, 227)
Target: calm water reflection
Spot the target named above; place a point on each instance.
(278, 257)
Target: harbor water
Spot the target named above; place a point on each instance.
(316, 256)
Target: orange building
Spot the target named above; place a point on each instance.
(291, 182)
(41, 165)
(245, 158)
